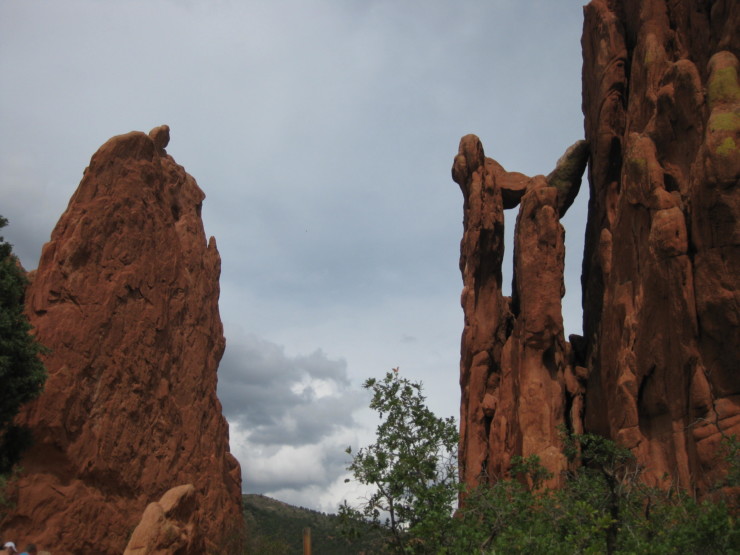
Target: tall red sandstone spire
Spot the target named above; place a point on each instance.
(514, 371)
(659, 367)
(661, 272)
(126, 297)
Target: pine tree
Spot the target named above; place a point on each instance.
(22, 374)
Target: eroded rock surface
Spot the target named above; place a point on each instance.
(662, 265)
(514, 356)
(126, 297)
(169, 526)
(657, 369)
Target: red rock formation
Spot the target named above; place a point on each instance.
(126, 296)
(657, 369)
(486, 311)
(514, 355)
(662, 267)
(534, 357)
(169, 525)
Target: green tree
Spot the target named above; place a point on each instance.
(610, 470)
(22, 374)
(412, 465)
(603, 506)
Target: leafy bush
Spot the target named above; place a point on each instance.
(603, 506)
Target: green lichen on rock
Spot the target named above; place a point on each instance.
(727, 147)
(637, 166)
(723, 86)
(724, 121)
(566, 177)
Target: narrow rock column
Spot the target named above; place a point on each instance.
(513, 353)
(486, 310)
(536, 351)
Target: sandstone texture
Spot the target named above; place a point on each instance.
(658, 367)
(661, 269)
(168, 526)
(514, 354)
(126, 297)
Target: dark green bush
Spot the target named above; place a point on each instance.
(22, 374)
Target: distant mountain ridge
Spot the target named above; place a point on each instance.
(276, 528)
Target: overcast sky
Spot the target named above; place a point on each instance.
(322, 133)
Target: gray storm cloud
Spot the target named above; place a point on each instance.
(285, 400)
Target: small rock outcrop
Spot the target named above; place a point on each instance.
(126, 297)
(657, 367)
(169, 526)
(566, 177)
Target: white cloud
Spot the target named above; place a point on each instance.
(291, 417)
(284, 400)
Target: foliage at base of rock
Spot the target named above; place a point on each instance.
(22, 373)
(602, 506)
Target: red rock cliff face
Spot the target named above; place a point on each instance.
(658, 369)
(126, 297)
(662, 267)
